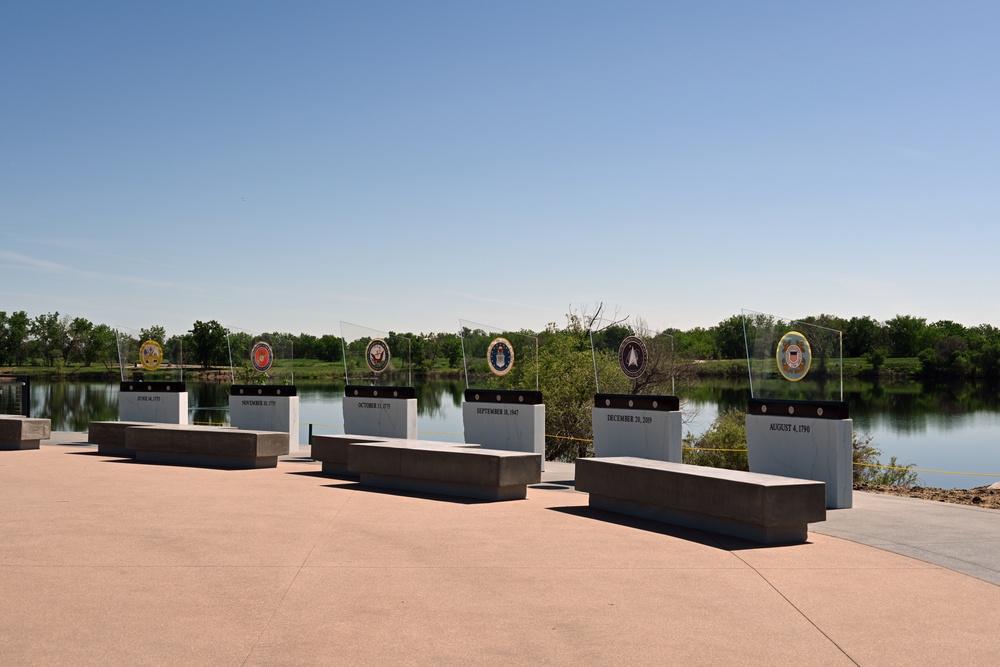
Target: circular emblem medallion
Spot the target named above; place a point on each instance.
(632, 357)
(377, 355)
(500, 356)
(794, 356)
(150, 355)
(261, 356)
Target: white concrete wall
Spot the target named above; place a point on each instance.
(158, 407)
(510, 426)
(267, 413)
(380, 417)
(644, 434)
(818, 449)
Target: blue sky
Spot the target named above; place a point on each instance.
(402, 165)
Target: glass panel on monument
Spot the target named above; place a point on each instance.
(144, 355)
(498, 358)
(793, 360)
(376, 358)
(152, 376)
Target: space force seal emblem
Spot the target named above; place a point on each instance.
(150, 355)
(377, 355)
(500, 356)
(794, 356)
(632, 357)
(261, 356)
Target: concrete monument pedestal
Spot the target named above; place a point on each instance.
(645, 427)
(153, 402)
(385, 412)
(266, 408)
(805, 440)
(505, 419)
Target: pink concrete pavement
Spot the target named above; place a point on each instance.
(104, 561)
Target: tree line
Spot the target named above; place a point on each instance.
(944, 348)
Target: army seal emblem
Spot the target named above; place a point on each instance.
(261, 356)
(632, 357)
(150, 355)
(500, 356)
(794, 356)
(377, 355)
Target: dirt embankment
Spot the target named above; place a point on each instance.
(983, 496)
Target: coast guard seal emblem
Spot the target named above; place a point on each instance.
(500, 356)
(377, 355)
(150, 355)
(794, 356)
(261, 356)
(632, 357)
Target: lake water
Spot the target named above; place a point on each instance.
(939, 428)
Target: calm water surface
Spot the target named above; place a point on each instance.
(938, 428)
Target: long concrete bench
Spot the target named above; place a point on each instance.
(206, 446)
(442, 468)
(753, 506)
(18, 432)
(332, 450)
(110, 436)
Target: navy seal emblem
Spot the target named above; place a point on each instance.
(261, 356)
(794, 356)
(500, 356)
(377, 355)
(632, 357)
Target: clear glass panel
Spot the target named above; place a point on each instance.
(498, 358)
(632, 359)
(376, 358)
(143, 354)
(793, 360)
(261, 358)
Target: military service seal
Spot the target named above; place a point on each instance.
(632, 357)
(500, 356)
(794, 356)
(377, 355)
(150, 355)
(261, 356)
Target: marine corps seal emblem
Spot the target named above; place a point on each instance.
(500, 356)
(794, 356)
(632, 357)
(261, 356)
(377, 355)
(150, 355)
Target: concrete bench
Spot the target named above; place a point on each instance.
(110, 436)
(752, 506)
(442, 468)
(18, 432)
(206, 446)
(332, 450)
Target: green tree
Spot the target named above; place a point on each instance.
(50, 337)
(208, 340)
(862, 335)
(903, 334)
(99, 346)
(729, 340)
(155, 332)
(14, 330)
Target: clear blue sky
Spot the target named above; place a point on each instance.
(402, 165)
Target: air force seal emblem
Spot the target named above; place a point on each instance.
(377, 355)
(632, 357)
(150, 355)
(500, 356)
(261, 356)
(794, 356)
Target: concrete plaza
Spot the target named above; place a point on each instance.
(107, 561)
